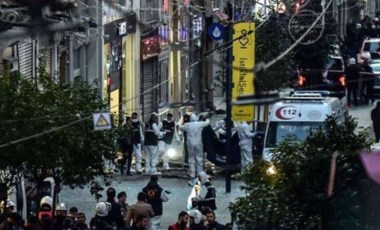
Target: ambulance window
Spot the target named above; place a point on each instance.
(277, 131)
(271, 134)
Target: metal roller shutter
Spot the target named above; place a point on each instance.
(148, 73)
(25, 54)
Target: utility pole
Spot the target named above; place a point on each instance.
(228, 121)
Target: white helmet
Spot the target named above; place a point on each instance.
(102, 208)
(61, 207)
(47, 200)
(197, 215)
(10, 203)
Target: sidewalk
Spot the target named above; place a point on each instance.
(362, 114)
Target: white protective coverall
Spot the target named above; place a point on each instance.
(194, 145)
(245, 143)
(151, 156)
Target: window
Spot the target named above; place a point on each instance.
(150, 11)
(278, 131)
(76, 59)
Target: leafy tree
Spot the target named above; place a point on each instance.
(11, 167)
(59, 120)
(272, 39)
(313, 56)
(296, 198)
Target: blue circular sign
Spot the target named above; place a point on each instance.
(216, 31)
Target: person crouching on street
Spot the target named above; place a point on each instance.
(206, 198)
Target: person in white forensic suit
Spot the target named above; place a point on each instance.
(194, 144)
(245, 143)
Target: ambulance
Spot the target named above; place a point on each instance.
(25, 196)
(298, 114)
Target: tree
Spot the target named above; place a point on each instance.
(313, 56)
(295, 197)
(47, 131)
(272, 39)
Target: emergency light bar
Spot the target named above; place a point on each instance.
(320, 92)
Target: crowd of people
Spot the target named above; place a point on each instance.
(116, 213)
(360, 82)
(360, 79)
(357, 31)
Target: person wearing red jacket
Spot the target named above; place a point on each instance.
(183, 219)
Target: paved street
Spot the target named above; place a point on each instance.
(363, 115)
(82, 199)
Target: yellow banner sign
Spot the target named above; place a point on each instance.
(243, 51)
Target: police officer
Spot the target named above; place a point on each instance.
(137, 140)
(152, 133)
(167, 127)
(156, 195)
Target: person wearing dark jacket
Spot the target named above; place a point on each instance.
(368, 81)
(375, 117)
(211, 144)
(352, 74)
(155, 197)
(114, 217)
(32, 223)
(81, 221)
(126, 146)
(121, 200)
(212, 224)
(167, 127)
(11, 222)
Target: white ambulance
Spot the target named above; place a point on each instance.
(298, 114)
